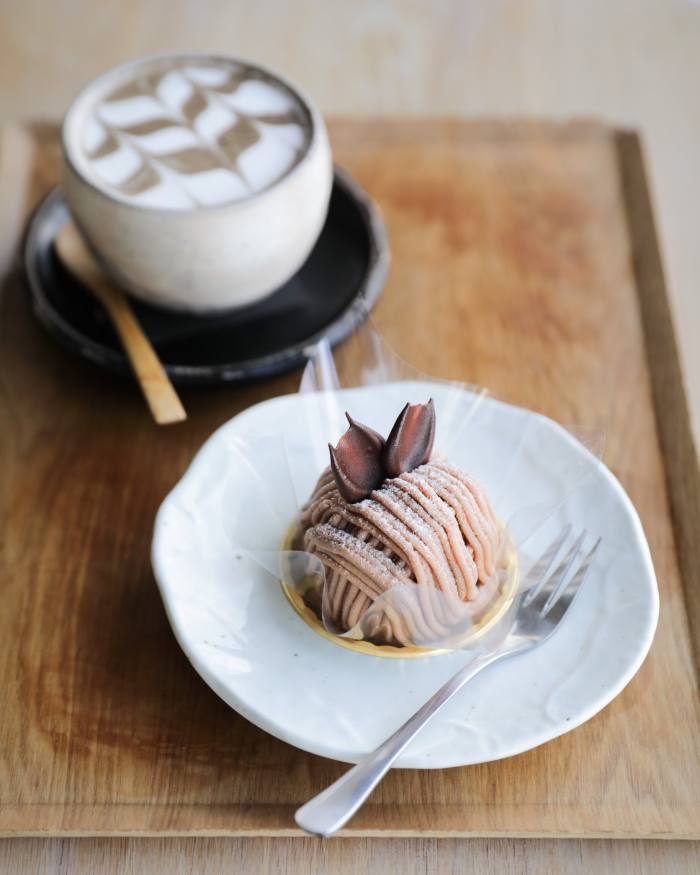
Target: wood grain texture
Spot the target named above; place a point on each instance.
(512, 268)
(673, 418)
(633, 61)
(307, 856)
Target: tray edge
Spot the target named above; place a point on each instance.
(673, 424)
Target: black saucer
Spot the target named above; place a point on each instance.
(330, 295)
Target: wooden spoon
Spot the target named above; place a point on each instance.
(158, 391)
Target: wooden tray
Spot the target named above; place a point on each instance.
(524, 259)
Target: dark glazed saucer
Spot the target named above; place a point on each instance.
(330, 296)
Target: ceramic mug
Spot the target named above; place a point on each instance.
(200, 182)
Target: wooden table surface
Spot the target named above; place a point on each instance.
(217, 856)
(550, 263)
(632, 62)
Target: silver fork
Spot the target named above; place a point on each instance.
(534, 616)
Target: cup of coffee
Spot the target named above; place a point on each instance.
(200, 182)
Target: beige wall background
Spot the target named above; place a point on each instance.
(632, 62)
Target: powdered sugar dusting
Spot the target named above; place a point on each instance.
(424, 547)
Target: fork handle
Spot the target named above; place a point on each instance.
(333, 807)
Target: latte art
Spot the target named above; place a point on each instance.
(182, 134)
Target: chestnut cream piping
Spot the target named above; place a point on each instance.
(431, 529)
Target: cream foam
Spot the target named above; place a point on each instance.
(178, 134)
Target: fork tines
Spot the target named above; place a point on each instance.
(552, 586)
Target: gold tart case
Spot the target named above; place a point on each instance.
(493, 612)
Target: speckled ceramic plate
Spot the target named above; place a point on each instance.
(241, 634)
(330, 295)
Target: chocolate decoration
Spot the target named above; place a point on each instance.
(362, 459)
(356, 461)
(372, 436)
(411, 439)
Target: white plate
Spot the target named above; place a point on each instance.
(241, 635)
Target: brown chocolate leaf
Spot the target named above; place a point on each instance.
(356, 461)
(411, 439)
(370, 434)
